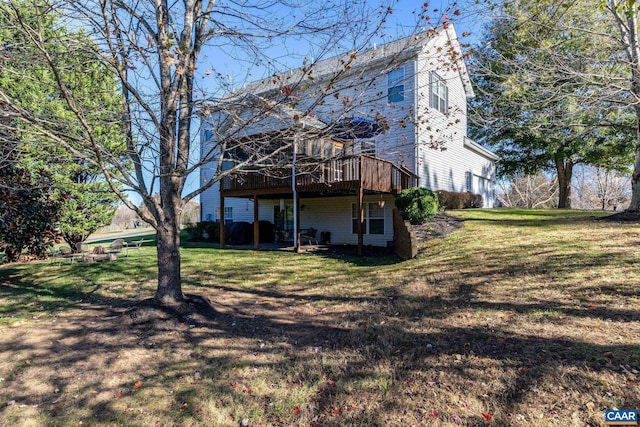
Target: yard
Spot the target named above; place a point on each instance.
(520, 318)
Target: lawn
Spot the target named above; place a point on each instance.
(520, 318)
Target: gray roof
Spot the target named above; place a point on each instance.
(385, 55)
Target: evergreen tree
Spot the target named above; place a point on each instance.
(535, 114)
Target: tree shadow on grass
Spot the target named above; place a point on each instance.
(378, 348)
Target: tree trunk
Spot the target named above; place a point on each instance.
(564, 169)
(169, 291)
(634, 206)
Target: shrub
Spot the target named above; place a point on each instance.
(459, 200)
(417, 205)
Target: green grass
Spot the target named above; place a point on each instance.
(530, 317)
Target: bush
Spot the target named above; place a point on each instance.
(417, 205)
(459, 200)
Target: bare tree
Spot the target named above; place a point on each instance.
(528, 191)
(124, 219)
(601, 188)
(169, 58)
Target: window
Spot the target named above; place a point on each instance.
(228, 215)
(373, 218)
(469, 181)
(395, 85)
(376, 218)
(439, 94)
(283, 218)
(354, 219)
(368, 146)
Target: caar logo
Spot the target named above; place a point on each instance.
(623, 417)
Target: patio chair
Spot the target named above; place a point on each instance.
(135, 244)
(309, 235)
(116, 246)
(64, 252)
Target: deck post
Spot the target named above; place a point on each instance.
(360, 208)
(256, 223)
(296, 202)
(296, 236)
(222, 234)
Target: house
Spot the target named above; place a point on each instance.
(365, 125)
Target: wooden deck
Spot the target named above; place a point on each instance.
(343, 175)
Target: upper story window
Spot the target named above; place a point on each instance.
(439, 93)
(395, 85)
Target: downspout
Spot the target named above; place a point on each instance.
(295, 194)
(416, 106)
(296, 230)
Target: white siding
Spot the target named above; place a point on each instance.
(443, 160)
(363, 93)
(333, 214)
(369, 100)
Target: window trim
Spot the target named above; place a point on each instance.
(438, 100)
(367, 219)
(395, 85)
(228, 214)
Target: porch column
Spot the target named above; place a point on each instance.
(256, 223)
(296, 235)
(222, 234)
(360, 208)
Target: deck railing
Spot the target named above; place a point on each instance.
(339, 174)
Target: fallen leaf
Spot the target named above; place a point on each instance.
(457, 419)
(486, 416)
(296, 410)
(434, 413)
(247, 390)
(117, 395)
(138, 384)
(335, 411)
(229, 417)
(234, 384)
(501, 340)
(183, 407)
(522, 369)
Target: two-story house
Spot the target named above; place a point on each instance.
(351, 131)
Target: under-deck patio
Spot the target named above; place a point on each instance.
(355, 174)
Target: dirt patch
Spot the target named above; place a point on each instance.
(440, 226)
(195, 311)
